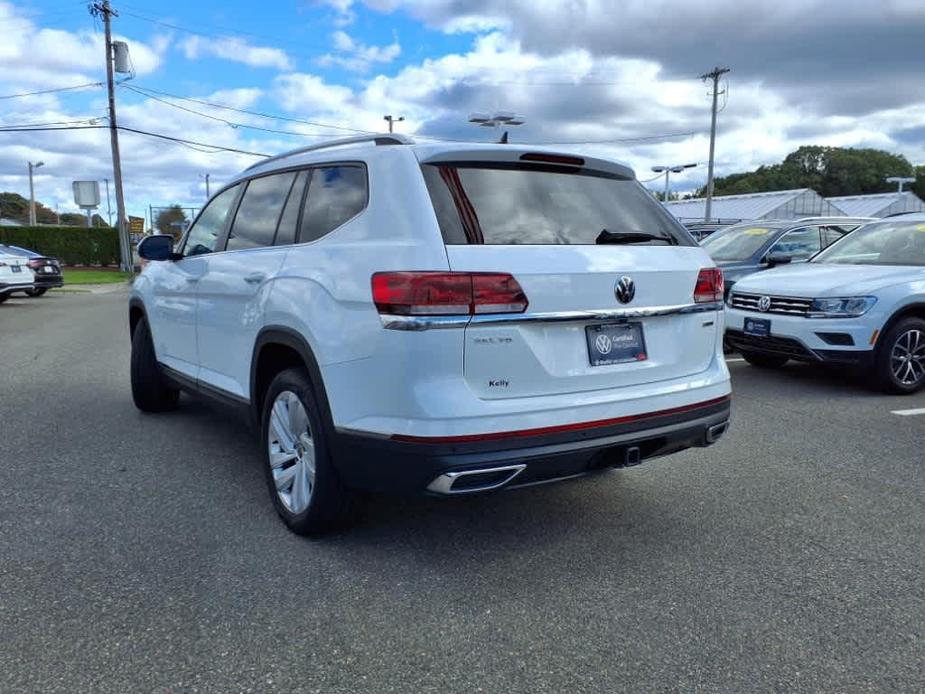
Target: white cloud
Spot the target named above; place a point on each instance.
(357, 56)
(236, 50)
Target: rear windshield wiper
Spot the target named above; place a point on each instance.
(629, 237)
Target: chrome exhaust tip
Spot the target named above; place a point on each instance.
(469, 481)
(715, 432)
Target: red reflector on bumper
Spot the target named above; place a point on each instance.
(558, 429)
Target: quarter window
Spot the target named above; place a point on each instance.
(335, 195)
(210, 224)
(255, 223)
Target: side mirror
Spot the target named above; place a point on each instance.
(778, 259)
(156, 247)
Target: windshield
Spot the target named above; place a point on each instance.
(739, 242)
(495, 203)
(880, 243)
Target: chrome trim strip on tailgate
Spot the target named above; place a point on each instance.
(415, 323)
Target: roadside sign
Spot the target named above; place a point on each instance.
(87, 194)
(136, 225)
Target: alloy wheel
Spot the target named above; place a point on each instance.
(292, 452)
(907, 360)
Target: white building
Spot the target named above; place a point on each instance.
(878, 204)
(778, 204)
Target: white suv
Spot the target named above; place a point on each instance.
(860, 303)
(435, 318)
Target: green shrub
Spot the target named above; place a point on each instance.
(70, 245)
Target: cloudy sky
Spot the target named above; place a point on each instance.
(612, 77)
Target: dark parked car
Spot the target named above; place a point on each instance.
(748, 247)
(47, 270)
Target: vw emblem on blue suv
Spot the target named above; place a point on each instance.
(625, 290)
(764, 304)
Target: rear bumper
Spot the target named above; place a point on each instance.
(379, 464)
(9, 288)
(48, 281)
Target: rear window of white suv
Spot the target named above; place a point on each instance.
(511, 204)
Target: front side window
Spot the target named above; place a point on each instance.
(335, 195)
(496, 203)
(799, 244)
(259, 212)
(210, 224)
(881, 243)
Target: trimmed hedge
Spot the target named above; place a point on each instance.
(70, 245)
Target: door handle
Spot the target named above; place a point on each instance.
(255, 278)
(192, 280)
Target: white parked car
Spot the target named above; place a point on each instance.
(860, 302)
(15, 275)
(444, 319)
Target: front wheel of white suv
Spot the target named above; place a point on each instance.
(150, 390)
(301, 478)
(900, 361)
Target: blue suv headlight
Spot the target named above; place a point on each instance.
(841, 307)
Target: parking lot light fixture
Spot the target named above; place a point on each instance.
(668, 170)
(496, 120)
(32, 167)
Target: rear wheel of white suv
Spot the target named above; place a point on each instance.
(302, 482)
(900, 361)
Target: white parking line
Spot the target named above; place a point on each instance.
(907, 413)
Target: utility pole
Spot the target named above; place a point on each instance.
(206, 176)
(32, 167)
(714, 75)
(392, 121)
(103, 10)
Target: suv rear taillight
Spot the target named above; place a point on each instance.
(709, 285)
(447, 293)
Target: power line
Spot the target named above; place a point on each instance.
(178, 140)
(148, 90)
(51, 91)
(229, 123)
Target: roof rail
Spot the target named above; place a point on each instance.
(379, 139)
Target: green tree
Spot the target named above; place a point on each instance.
(827, 170)
(172, 220)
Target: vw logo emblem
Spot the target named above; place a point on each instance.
(764, 304)
(625, 290)
(603, 343)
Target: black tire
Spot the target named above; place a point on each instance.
(151, 391)
(330, 505)
(765, 361)
(36, 292)
(885, 378)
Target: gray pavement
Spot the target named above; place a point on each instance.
(141, 553)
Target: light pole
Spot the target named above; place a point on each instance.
(32, 167)
(392, 121)
(668, 170)
(206, 176)
(496, 120)
(900, 180)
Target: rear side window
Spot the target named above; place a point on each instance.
(335, 195)
(799, 244)
(210, 224)
(259, 212)
(526, 204)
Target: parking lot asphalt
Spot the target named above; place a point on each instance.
(142, 553)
